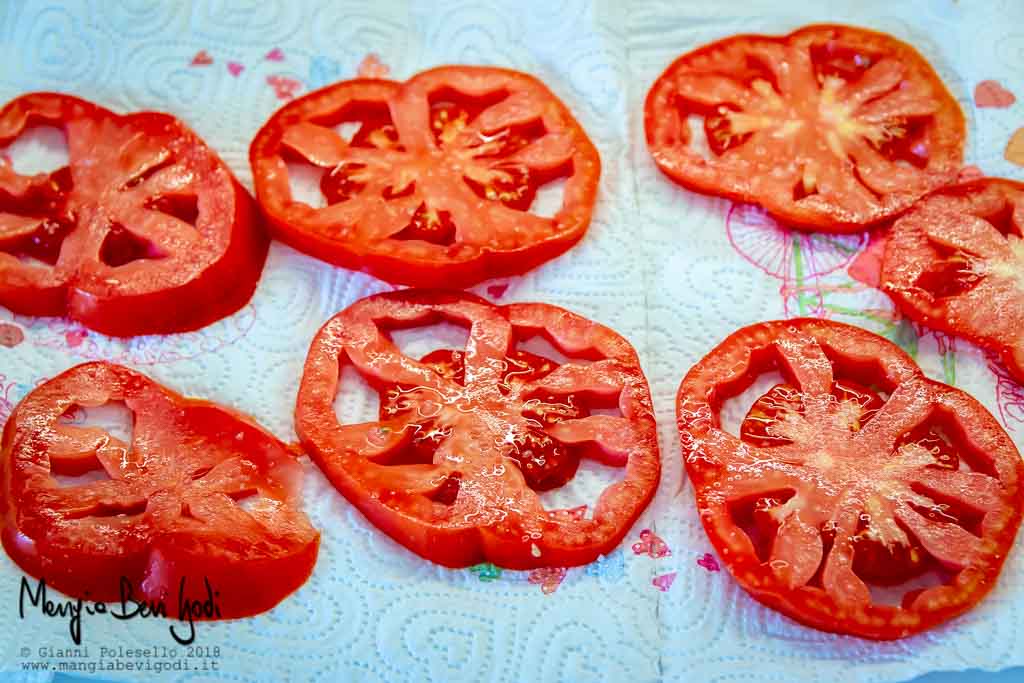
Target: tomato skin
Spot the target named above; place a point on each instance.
(207, 272)
(835, 474)
(776, 176)
(165, 513)
(495, 515)
(334, 236)
(975, 229)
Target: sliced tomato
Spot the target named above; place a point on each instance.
(200, 492)
(467, 437)
(437, 180)
(856, 473)
(145, 231)
(830, 128)
(955, 263)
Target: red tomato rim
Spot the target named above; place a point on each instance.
(399, 263)
(734, 364)
(560, 539)
(902, 265)
(950, 135)
(27, 459)
(133, 307)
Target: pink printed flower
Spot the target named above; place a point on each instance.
(664, 582)
(548, 578)
(1009, 394)
(285, 88)
(74, 338)
(651, 545)
(708, 561)
(372, 67)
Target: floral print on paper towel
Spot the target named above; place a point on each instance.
(798, 259)
(486, 572)
(284, 88)
(664, 582)
(611, 567)
(708, 562)
(650, 544)
(548, 578)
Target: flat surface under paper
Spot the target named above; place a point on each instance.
(672, 271)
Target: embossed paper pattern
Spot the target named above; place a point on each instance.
(671, 271)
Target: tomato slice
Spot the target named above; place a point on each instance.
(854, 480)
(145, 231)
(171, 508)
(830, 127)
(955, 263)
(438, 178)
(466, 438)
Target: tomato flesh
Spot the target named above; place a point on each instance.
(856, 471)
(466, 439)
(955, 263)
(116, 239)
(882, 563)
(438, 181)
(830, 128)
(170, 508)
(545, 462)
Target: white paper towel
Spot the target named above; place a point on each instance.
(659, 265)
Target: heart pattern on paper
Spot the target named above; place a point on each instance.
(991, 94)
(708, 561)
(664, 582)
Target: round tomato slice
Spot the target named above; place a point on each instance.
(830, 127)
(955, 263)
(467, 437)
(200, 492)
(145, 231)
(860, 497)
(437, 179)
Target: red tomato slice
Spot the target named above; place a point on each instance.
(856, 473)
(437, 181)
(144, 232)
(466, 438)
(830, 127)
(171, 508)
(955, 263)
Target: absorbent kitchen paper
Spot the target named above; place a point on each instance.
(672, 271)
